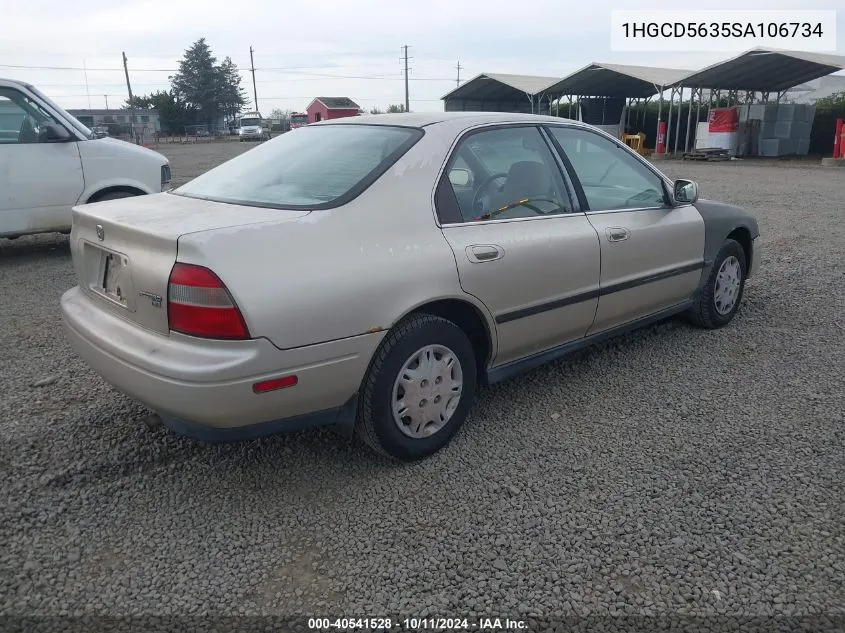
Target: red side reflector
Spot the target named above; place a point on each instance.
(275, 383)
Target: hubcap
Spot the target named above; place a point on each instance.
(427, 391)
(727, 285)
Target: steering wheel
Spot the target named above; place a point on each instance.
(525, 202)
(607, 171)
(483, 187)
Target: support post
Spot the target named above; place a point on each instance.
(659, 116)
(669, 124)
(678, 120)
(689, 119)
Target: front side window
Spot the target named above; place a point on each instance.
(610, 177)
(309, 167)
(21, 119)
(506, 173)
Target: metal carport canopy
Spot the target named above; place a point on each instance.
(764, 70)
(497, 87)
(617, 80)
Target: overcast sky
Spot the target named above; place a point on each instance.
(306, 48)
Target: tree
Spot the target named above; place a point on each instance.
(231, 94)
(375, 110)
(173, 113)
(208, 89)
(393, 108)
(278, 113)
(834, 101)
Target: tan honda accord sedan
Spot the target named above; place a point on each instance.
(369, 272)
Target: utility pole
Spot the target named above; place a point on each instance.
(87, 91)
(458, 81)
(131, 99)
(106, 97)
(407, 102)
(252, 69)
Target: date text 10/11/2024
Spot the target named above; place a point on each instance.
(503, 625)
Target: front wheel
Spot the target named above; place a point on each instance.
(719, 299)
(418, 390)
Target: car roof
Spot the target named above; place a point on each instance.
(15, 82)
(423, 119)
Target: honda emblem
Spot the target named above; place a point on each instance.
(101, 233)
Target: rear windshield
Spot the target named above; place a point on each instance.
(310, 167)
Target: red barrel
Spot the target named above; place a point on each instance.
(661, 137)
(837, 139)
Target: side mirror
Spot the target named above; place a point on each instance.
(53, 133)
(685, 191)
(460, 177)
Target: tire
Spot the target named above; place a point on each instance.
(709, 311)
(115, 195)
(378, 427)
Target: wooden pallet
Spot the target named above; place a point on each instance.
(708, 153)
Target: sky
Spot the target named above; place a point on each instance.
(304, 49)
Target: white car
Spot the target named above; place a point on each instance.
(50, 162)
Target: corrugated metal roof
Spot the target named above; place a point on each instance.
(759, 69)
(617, 80)
(501, 86)
(764, 70)
(338, 103)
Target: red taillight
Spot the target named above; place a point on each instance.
(199, 304)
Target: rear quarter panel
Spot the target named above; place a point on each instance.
(341, 272)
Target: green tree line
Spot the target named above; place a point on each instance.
(201, 93)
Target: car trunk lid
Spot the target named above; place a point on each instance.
(124, 250)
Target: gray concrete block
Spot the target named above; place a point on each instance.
(803, 147)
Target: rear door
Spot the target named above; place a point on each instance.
(521, 246)
(651, 252)
(39, 182)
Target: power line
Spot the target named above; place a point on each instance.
(285, 98)
(310, 74)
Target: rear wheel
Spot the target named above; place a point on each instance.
(719, 299)
(419, 388)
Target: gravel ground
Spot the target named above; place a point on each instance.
(667, 473)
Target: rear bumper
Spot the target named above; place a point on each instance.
(203, 388)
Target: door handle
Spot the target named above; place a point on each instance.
(480, 253)
(617, 234)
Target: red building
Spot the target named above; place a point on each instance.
(324, 108)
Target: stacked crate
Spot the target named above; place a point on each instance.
(784, 129)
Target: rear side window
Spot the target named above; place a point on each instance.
(310, 167)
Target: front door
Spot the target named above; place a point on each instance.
(520, 245)
(39, 181)
(651, 252)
